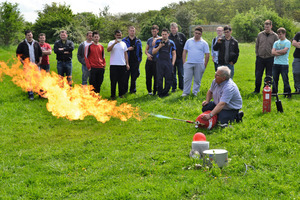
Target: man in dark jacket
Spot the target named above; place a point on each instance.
(29, 49)
(63, 49)
(228, 50)
(134, 46)
(179, 39)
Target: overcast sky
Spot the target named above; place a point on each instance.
(28, 8)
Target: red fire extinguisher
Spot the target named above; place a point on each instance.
(267, 94)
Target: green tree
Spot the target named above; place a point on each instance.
(11, 23)
(52, 18)
(247, 25)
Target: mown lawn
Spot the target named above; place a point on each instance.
(44, 157)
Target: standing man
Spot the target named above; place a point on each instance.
(134, 46)
(197, 50)
(118, 64)
(82, 49)
(281, 49)
(166, 57)
(31, 50)
(215, 54)
(46, 51)
(264, 57)
(151, 62)
(227, 100)
(179, 39)
(63, 49)
(296, 62)
(95, 62)
(228, 50)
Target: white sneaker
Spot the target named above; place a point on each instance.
(150, 93)
(184, 95)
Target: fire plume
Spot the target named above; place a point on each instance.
(72, 103)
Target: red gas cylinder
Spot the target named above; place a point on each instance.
(267, 94)
(201, 123)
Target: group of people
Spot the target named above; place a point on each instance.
(272, 56)
(167, 55)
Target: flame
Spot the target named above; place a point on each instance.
(73, 103)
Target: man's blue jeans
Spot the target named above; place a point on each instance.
(65, 67)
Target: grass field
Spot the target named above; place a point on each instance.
(44, 157)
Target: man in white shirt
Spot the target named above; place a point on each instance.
(197, 52)
(118, 64)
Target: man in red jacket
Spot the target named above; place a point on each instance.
(95, 62)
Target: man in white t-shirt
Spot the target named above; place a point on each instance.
(118, 64)
(197, 59)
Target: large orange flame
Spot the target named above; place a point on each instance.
(63, 101)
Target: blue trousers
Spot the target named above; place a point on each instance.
(224, 116)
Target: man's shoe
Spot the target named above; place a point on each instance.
(184, 95)
(30, 95)
(240, 117)
(150, 93)
(173, 90)
(223, 125)
(288, 96)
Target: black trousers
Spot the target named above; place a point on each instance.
(151, 73)
(164, 71)
(260, 65)
(134, 73)
(96, 78)
(117, 76)
(225, 116)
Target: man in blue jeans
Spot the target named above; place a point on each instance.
(281, 49)
(63, 49)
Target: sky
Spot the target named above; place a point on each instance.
(29, 8)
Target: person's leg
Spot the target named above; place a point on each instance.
(216, 66)
(210, 106)
(231, 67)
(122, 80)
(85, 74)
(113, 80)
(259, 70)
(168, 77)
(92, 79)
(135, 73)
(153, 72)
(285, 78)
(159, 75)
(198, 73)
(226, 116)
(60, 70)
(101, 77)
(148, 71)
(179, 64)
(275, 74)
(174, 81)
(188, 77)
(296, 74)
(68, 67)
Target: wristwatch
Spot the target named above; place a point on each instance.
(210, 115)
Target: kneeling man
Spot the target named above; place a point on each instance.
(227, 100)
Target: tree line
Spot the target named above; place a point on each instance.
(246, 18)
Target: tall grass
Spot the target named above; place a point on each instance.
(44, 157)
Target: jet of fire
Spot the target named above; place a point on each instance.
(63, 101)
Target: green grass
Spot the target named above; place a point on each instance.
(44, 157)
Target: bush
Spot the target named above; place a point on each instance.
(247, 25)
